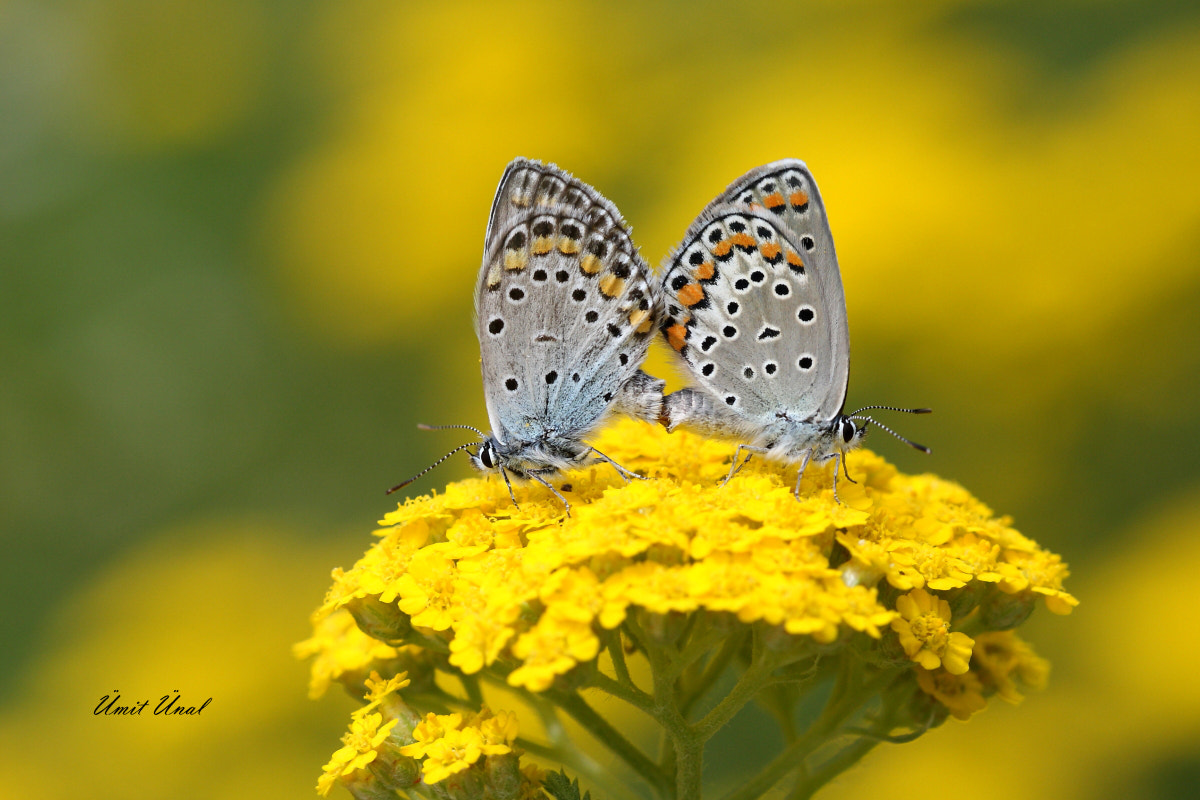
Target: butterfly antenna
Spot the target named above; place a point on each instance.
(424, 427)
(400, 486)
(908, 442)
(893, 408)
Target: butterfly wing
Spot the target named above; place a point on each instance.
(754, 298)
(564, 307)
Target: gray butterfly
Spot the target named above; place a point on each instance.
(565, 313)
(756, 310)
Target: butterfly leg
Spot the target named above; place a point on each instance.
(800, 474)
(622, 471)
(547, 484)
(845, 470)
(739, 462)
(839, 461)
(508, 483)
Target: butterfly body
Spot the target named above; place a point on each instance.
(535, 449)
(781, 439)
(565, 313)
(756, 310)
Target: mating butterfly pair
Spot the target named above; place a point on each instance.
(751, 300)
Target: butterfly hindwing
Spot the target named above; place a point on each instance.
(564, 305)
(754, 299)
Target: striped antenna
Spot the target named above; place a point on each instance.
(912, 444)
(893, 408)
(425, 427)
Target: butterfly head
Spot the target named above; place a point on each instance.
(849, 434)
(487, 457)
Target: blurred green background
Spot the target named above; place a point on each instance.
(238, 240)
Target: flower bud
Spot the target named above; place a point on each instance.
(1002, 612)
(503, 776)
(395, 771)
(382, 621)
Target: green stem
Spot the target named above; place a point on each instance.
(616, 651)
(752, 681)
(441, 701)
(841, 705)
(689, 770)
(556, 732)
(712, 672)
(545, 704)
(606, 734)
(666, 748)
(583, 766)
(630, 694)
(694, 648)
(687, 747)
(636, 634)
(471, 688)
(792, 758)
(846, 758)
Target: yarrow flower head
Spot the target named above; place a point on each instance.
(896, 604)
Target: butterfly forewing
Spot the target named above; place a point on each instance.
(754, 299)
(564, 307)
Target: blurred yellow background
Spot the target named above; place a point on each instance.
(238, 240)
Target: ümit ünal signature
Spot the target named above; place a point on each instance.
(168, 706)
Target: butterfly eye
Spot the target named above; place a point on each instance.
(848, 430)
(485, 455)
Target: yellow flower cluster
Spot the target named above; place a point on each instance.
(522, 585)
(912, 572)
(449, 745)
(410, 754)
(367, 735)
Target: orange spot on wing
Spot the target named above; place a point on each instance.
(542, 245)
(677, 336)
(770, 249)
(639, 320)
(722, 248)
(691, 294)
(611, 285)
(704, 271)
(798, 199)
(773, 201)
(742, 240)
(568, 246)
(515, 261)
(590, 264)
(493, 276)
(793, 258)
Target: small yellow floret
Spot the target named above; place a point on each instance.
(924, 631)
(449, 743)
(962, 694)
(360, 748)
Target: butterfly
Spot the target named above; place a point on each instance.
(755, 309)
(565, 313)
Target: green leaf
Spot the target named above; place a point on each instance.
(563, 788)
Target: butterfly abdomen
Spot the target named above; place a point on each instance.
(695, 410)
(641, 398)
